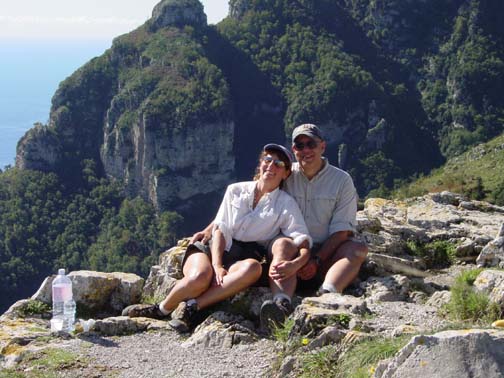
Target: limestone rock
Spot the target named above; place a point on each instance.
(316, 313)
(123, 325)
(387, 289)
(100, 293)
(461, 354)
(178, 13)
(439, 299)
(38, 149)
(491, 282)
(493, 253)
(222, 329)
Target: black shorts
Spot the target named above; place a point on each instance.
(239, 251)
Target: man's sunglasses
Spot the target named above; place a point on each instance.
(311, 144)
(278, 163)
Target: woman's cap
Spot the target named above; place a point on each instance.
(282, 149)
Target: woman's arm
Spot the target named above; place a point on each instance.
(285, 269)
(217, 251)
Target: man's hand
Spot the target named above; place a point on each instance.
(308, 271)
(219, 273)
(203, 236)
(282, 270)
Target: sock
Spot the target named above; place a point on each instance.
(161, 308)
(329, 287)
(280, 296)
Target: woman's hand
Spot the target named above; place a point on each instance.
(308, 271)
(282, 270)
(219, 273)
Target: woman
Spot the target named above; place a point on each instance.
(250, 216)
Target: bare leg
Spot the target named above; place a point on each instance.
(346, 263)
(241, 275)
(197, 278)
(283, 249)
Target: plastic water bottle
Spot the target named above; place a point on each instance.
(63, 304)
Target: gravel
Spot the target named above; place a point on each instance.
(160, 354)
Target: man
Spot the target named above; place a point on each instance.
(328, 200)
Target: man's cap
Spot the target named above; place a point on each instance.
(282, 149)
(307, 129)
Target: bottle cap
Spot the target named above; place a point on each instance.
(61, 272)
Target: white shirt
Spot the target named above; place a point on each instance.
(328, 201)
(276, 212)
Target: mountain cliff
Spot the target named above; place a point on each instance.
(177, 109)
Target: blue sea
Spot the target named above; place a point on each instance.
(30, 72)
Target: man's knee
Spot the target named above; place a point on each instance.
(284, 248)
(354, 251)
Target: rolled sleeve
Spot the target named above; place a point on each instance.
(293, 224)
(344, 214)
(223, 218)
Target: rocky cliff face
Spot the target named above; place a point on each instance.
(142, 111)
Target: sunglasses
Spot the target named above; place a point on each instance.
(278, 163)
(311, 144)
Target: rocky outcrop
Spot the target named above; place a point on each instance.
(445, 354)
(178, 13)
(38, 149)
(396, 295)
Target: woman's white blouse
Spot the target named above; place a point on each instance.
(277, 212)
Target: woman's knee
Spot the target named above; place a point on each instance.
(199, 279)
(284, 248)
(251, 268)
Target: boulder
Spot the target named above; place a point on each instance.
(97, 292)
(331, 309)
(449, 354)
(493, 253)
(222, 329)
(491, 282)
(387, 289)
(178, 13)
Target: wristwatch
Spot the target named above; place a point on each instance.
(318, 260)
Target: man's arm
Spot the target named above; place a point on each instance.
(325, 253)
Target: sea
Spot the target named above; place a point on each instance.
(30, 72)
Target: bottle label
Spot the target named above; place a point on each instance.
(62, 293)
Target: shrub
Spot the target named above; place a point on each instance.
(467, 305)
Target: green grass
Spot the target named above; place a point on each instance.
(461, 174)
(34, 307)
(45, 364)
(468, 306)
(281, 333)
(359, 361)
(437, 254)
(321, 363)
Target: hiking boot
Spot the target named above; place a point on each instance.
(273, 313)
(183, 317)
(144, 310)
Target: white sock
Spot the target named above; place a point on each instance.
(329, 287)
(280, 296)
(162, 309)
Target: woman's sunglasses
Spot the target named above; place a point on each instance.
(311, 144)
(278, 163)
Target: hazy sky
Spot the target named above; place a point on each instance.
(86, 19)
